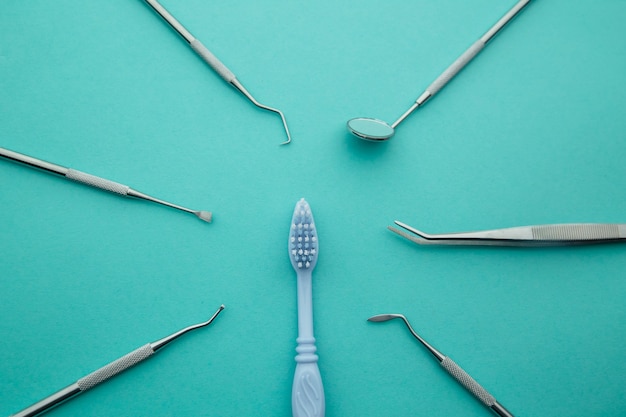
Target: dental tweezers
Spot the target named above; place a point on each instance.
(542, 235)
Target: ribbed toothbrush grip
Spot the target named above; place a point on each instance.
(468, 382)
(212, 60)
(576, 232)
(307, 394)
(455, 67)
(97, 182)
(115, 367)
(307, 399)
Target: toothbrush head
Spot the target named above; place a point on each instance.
(303, 246)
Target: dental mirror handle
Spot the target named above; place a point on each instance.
(463, 60)
(474, 387)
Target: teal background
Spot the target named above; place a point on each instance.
(531, 132)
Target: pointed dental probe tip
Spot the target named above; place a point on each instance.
(237, 84)
(166, 340)
(210, 320)
(282, 116)
(268, 108)
(219, 310)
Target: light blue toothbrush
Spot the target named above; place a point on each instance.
(307, 395)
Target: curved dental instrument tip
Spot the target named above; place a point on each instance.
(452, 368)
(208, 57)
(387, 317)
(162, 342)
(108, 371)
(539, 235)
(235, 83)
(376, 130)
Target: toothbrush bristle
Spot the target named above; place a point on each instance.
(303, 247)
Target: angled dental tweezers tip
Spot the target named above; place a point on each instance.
(542, 235)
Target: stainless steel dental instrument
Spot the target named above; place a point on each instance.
(213, 62)
(543, 235)
(452, 368)
(378, 130)
(107, 371)
(94, 181)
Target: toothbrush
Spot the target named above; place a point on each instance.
(97, 182)
(108, 371)
(307, 395)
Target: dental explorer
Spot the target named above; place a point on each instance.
(213, 61)
(108, 371)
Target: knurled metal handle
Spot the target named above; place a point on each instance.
(576, 232)
(97, 182)
(468, 382)
(212, 60)
(456, 66)
(115, 367)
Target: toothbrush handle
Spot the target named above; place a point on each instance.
(88, 381)
(474, 387)
(307, 395)
(97, 182)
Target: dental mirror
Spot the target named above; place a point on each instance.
(376, 130)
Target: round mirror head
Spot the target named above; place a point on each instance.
(370, 129)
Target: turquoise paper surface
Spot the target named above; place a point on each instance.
(531, 132)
